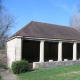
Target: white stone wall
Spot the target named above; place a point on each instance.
(18, 49)
(13, 50)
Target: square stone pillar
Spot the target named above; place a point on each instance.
(42, 51)
(74, 51)
(18, 49)
(60, 51)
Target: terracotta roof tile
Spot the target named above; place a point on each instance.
(45, 30)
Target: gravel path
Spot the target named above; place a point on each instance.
(7, 75)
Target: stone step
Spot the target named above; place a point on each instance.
(30, 66)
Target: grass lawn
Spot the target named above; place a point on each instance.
(58, 73)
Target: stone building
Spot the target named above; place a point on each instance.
(44, 45)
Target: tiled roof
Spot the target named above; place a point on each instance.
(46, 30)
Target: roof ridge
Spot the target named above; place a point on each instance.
(51, 24)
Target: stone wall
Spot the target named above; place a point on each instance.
(10, 46)
(3, 57)
(54, 64)
(13, 51)
(18, 49)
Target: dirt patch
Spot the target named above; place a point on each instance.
(7, 75)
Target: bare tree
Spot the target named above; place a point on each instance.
(6, 22)
(75, 20)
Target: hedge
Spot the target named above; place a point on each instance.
(20, 66)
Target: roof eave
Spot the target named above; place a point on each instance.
(13, 38)
(45, 39)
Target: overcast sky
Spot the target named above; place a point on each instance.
(49, 11)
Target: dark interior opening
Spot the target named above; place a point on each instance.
(50, 51)
(67, 51)
(30, 50)
(78, 50)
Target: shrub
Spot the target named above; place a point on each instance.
(3, 66)
(20, 66)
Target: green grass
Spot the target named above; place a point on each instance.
(58, 73)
